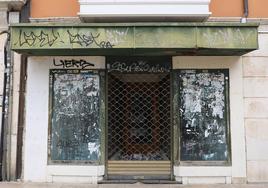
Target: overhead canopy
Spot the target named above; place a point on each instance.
(135, 39)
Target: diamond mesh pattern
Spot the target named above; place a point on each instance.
(139, 125)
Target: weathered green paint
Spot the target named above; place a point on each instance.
(155, 24)
(165, 37)
(134, 39)
(227, 38)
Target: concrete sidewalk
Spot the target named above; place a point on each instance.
(137, 185)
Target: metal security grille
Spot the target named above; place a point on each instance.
(139, 127)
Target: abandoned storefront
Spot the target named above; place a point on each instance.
(134, 102)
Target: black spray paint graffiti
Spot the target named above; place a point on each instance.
(41, 39)
(72, 63)
(51, 37)
(88, 40)
(140, 66)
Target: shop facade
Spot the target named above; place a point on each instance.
(135, 101)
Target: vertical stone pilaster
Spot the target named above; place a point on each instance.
(255, 74)
(14, 103)
(3, 39)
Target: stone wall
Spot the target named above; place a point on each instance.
(255, 74)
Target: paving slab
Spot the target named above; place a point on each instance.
(136, 185)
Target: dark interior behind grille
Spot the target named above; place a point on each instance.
(139, 126)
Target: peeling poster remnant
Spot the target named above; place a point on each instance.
(203, 114)
(75, 125)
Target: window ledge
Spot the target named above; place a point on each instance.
(192, 2)
(192, 10)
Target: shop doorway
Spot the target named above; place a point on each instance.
(139, 125)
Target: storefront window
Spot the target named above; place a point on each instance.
(203, 106)
(75, 111)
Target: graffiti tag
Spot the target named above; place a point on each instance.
(88, 40)
(72, 63)
(139, 66)
(51, 37)
(40, 39)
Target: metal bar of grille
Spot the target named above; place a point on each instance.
(139, 117)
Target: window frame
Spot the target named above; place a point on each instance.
(178, 126)
(102, 91)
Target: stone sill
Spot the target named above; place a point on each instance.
(193, 10)
(182, 2)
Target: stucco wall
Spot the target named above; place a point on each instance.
(219, 8)
(54, 8)
(258, 8)
(255, 73)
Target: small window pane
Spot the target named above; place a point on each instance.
(75, 130)
(203, 115)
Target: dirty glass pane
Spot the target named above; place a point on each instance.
(203, 114)
(75, 129)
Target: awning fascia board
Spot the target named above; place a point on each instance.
(135, 38)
